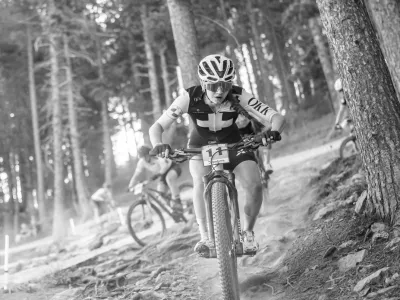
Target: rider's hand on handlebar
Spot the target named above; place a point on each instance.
(272, 136)
(161, 150)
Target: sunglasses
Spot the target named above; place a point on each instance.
(214, 86)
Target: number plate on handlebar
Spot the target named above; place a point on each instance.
(217, 154)
(138, 189)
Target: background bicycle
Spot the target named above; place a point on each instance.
(145, 219)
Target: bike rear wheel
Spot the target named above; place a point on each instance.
(145, 222)
(226, 255)
(348, 147)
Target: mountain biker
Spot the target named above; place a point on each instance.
(343, 113)
(101, 199)
(163, 168)
(213, 107)
(247, 127)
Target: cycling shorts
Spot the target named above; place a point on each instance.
(235, 157)
(174, 167)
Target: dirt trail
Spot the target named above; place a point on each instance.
(285, 212)
(282, 218)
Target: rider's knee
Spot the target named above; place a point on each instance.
(253, 186)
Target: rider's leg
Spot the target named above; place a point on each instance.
(197, 170)
(162, 186)
(251, 184)
(172, 180)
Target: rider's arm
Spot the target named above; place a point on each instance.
(165, 164)
(262, 112)
(138, 172)
(176, 110)
(277, 122)
(342, 109)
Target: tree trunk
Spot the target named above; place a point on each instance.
(386, 17)
(278, 46)
(324, 57)
(14, 189)
(256, 73)
(182, 21)
(231, 54)
(232, 43)
(8, 204)
(137, 95)
(165, 75)
(168, 135)
(79, 177)
(309, 99)
(108, 152)
(267, 95)
(151, 63)
(375, 111)
(247, 63)
(40, 196)
(27, 183)
(129, 119)
(59, 220)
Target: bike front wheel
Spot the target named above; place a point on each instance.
(348, 147)
(227, 260)
(145, 222)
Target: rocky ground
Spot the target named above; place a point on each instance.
(315, 243)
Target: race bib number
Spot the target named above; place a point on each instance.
(215, 154)
(138, 189)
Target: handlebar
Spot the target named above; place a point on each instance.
(251, 142)
(142, 183)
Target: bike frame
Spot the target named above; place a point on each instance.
(148, 193)
(228, 179)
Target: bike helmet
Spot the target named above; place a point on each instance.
(338, 85)
(143, 151)
(214, 68)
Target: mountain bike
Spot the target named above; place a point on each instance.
(145, 218)
(222, 208)
(349, 145)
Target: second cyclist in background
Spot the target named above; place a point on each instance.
(165, 169)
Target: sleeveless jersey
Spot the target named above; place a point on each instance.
(209, 126)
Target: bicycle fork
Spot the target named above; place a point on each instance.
(228, 179)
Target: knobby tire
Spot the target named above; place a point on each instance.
(227, 260)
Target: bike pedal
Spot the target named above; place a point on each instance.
(210, 253)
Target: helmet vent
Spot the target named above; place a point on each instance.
(208, 69)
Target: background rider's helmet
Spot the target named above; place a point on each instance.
(338, 85)
(214, 68)
(143, 151)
